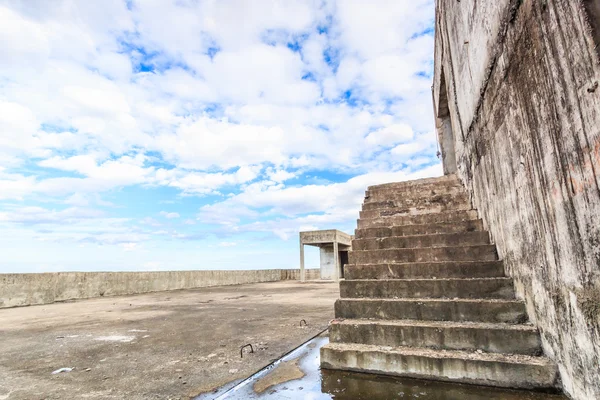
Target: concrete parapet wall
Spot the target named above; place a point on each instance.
(30, 289)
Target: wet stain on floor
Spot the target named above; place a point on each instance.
(285, 372)
(298, 376)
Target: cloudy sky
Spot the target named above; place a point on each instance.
(202, 134)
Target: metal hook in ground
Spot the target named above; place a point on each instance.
(242, 349)
(305, 323)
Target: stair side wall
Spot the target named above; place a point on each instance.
(521, 83)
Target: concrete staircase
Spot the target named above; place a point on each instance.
(425, 296)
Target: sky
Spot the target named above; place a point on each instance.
(202, 134)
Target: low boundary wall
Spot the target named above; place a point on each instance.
(30, 289)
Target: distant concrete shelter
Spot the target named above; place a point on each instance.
(334, 246)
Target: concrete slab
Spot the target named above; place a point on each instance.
(168, 345)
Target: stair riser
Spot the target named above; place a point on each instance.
(444, 240)
(501, 288)
(427, 201)
(509, 341)
(475, 253)
(422, 219)
(425, 270)
(378, 212)
(513, 375)
(412, 230)
(509, 312)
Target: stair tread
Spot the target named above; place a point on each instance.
(444, 353)
(434, 300)
(436, 247)
(437, 324)
(416, 210)
(417, 225)
(423, 181)
(470, 212)
(424, 263)
(420, 208)
(469, 246)
(502, 278)
(407, 237)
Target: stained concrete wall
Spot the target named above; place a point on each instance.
(327, 258)
(521, 83)
(29, 289)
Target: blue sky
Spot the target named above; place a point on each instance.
(190, 134)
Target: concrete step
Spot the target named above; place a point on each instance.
(478, 288)
(412, 230)
(438, 181)
(470, 336)
(433, 189)
(448, 201)
(506, 311)
(377, 221)
(490, 369)
(414, 191)
(423, 241)
(465, 269)
(457, 253)
(376, 210)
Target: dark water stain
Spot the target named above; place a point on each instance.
(320, 384)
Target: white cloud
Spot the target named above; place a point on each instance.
(266, 117)
(169, 215)
(129, 246)
(293, 207)
(390, 135)
(39, 215)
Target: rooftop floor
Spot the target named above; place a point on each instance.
(167, 345)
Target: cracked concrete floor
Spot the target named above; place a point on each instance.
(167, 345)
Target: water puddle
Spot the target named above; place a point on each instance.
(298, 376)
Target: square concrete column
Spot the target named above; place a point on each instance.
(302, 272)
(336, 261)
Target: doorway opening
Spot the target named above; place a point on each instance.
(444, 130)
(343, 261)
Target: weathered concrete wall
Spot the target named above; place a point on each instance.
(29, 289)
(521, 81)
(327, 262)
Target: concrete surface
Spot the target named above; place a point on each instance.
(518, 80)
(507, 311)
(430, 254)
(491, 369)
(471, 336)
(375, 219)
(164, 345)
(449, 269)
(28, 289)
(427, 240)
(469, 288)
